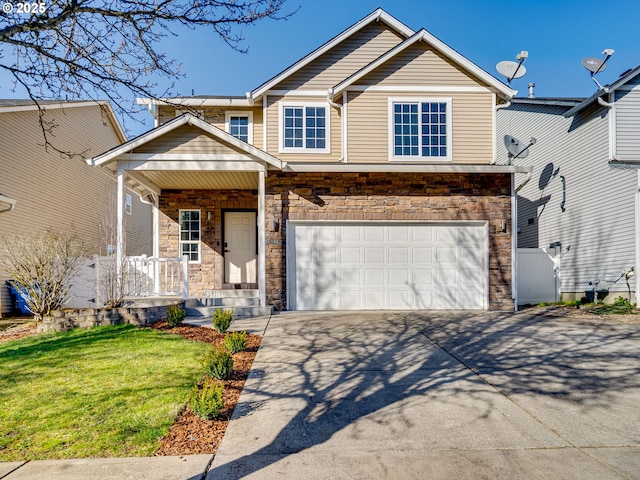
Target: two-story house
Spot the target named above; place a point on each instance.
(361, 177)
(581, 202)
(41, 189)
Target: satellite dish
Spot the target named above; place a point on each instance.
(597, 65)
(593, 64)
(516, 148)
(510, 69)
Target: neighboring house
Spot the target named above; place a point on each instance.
(48, 190)
(361, 177)
(580, 205)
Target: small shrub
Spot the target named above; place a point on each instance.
(235, 342)
(222, 320)
(175, 315)
(207, 402)
(622, 302)
(217, 363)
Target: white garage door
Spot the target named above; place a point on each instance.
(372, 265)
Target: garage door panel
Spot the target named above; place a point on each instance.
(447, 255)
(422, 255)
(398, 255)
(398, 234)
(374, 234)
(387, 266)
(375, 277)
(374, 255)
(400, 299)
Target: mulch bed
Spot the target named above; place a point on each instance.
(190, 434)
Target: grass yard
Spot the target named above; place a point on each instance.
(103, 392)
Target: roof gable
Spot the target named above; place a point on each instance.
(456, 59)
(200, 128)
(377, 15)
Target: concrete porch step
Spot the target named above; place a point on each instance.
(222, 302)
(230, 293)
(239, 312)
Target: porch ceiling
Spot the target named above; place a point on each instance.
(202, 180)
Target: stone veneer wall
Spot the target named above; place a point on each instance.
(208, 274)
(68, 319)
(386, 196)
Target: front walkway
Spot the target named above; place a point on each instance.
(437, 395)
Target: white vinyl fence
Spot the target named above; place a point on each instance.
(143, 277)
(536, 279)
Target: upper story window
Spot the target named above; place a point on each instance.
(304, 128)
(127, 204)
(190, 234)
(420, 129)
(240, 125)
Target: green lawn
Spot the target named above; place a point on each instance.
(107, 391)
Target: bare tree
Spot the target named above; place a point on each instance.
(106, 49)
(41, 267)
(111, 276)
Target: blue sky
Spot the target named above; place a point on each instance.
(557, 34)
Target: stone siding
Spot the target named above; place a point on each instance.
(208, 274)
(345, 196)
(386, 196)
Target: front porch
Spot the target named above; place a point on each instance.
(208, 192)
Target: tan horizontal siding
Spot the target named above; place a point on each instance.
(216, 117)
(57, 192)
(418, 65)
(272, 124)
(368, 126)
(344, 59)
(184, 140)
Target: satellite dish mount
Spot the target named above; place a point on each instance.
(597, 65)
(512, 70)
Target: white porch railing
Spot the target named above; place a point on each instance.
(152, 276)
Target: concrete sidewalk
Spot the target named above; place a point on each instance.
(407, 395)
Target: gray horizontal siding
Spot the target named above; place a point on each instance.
(627, 107)
(597, 228)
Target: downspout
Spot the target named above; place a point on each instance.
(613, 132)
(514, 241)
(526, 180)
(342, 116)
(153, 110)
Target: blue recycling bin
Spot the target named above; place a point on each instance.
(21, 299)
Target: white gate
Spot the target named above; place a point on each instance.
(537, 281)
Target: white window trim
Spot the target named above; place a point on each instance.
(420, 158)
(239, 113)
(283, 149)
(180, 241)
(128, 205)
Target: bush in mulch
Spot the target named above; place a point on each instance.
(191, 434)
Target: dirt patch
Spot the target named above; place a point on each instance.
(586, 312)
(17, 331)
(190, 434)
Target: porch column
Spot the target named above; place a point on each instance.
(262, 281)
(120, 202)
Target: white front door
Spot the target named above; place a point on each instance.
(240, 257)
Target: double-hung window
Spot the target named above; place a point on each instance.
(304, 128)
(240, 125)
(190, 235)
(420, 129)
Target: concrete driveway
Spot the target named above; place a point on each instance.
(437, 395)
